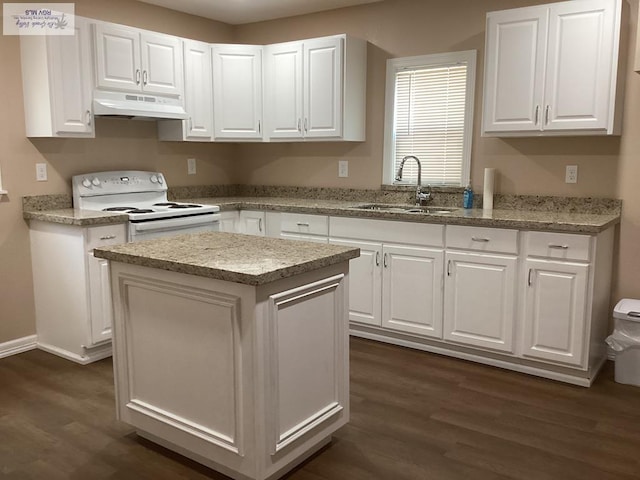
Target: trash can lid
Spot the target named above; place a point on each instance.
(627, 309)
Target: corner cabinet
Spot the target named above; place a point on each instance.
(237, 92)
(72, 289)
(316, 89)
(553, 70)
(198, 98)
(57, 83)
(132, 60)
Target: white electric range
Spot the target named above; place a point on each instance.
(143, 197)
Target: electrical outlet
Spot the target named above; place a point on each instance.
(343, 168)
(41, 172)
(571, 175)
(191, 166)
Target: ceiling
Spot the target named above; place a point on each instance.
(236, 12)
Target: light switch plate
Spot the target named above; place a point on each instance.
(41, 172)
(571, 175)
(191, 166)
(343, 168)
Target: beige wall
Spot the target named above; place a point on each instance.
(609, 167)
(119, 144)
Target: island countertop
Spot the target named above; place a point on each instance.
(230, 257)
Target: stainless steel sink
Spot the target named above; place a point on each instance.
(380, 207)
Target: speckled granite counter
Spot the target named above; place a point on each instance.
(70, 216)
(228, 256)
(552, 221)
(535, 213)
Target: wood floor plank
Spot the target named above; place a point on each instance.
(414, 416)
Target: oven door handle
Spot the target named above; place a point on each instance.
(174, 223)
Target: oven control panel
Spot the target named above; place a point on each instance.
(110, 183)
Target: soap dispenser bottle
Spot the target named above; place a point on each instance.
(467, 197)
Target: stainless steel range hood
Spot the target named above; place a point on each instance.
(142, 106)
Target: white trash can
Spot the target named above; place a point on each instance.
(625, 341)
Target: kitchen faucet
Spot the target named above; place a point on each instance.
(421, 197)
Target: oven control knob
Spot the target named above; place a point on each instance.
(160, 179)
(154, 179)
(95, 181)
(86, 183)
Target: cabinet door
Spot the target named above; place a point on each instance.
(412, 289)
(555, 311)
(323, 87)
(118, 58)
(162, 68)
(365, 282)
(237, 91)
(514, 69)
(579, 65)
(72, 83)
(229, 221)
(252, 223)
(480, 300)
(198, 94)
(283, 90)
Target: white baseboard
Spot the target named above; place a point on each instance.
(18, 345)
(90, 355)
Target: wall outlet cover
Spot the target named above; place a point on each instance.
(191, 166)
(571, 174)
(41, 172)
(343, 168)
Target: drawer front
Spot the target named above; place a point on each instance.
(388, 231)
(304, 223)
(564, 246)
(106, 235)
(482, 239)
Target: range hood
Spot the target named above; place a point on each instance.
(132, 105)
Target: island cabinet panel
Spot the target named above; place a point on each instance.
(248, 380)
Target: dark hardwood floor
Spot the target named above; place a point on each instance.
(414, 415)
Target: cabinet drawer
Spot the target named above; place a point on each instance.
(106, 235)
(303, 223)
(482, 239)
(565, 246)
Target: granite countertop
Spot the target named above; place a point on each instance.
(523, 219)
(552, 221)
(72, 216)
(229, 256)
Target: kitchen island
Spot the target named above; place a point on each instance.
(232, 350)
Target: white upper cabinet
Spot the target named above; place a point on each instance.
(316, 89)
(553, 69)
(237, 92)
(198, 98)
(57, 83)
(133, 60)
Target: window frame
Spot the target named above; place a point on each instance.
(395, 65)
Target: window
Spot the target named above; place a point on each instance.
(429, 114)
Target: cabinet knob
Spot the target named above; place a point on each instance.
(137, 76)
(145, 77)
(546, 115)
(558, 247)
(88, 115)
(537, 115)
(480, 239)
(377, 259)
(107, 237)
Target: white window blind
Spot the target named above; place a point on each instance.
(431, 117)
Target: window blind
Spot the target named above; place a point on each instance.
(429, 122)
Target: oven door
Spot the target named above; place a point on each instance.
(173, 226)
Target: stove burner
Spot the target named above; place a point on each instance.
(185, 205)
(141, 210)
(164, 204)
(118, 209)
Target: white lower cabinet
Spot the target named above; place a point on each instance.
(555, 311)
(229, 221)
(394, 285)
(72, 289)
(252, 222)
(480, 300)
